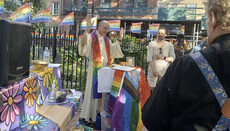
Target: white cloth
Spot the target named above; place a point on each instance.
(90, 105)
(160, 65)
(105, 79)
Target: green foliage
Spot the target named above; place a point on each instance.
(131, 48)
(113, 38)
(11, 6)
(72, 71)
(70, 60)
(36, 6)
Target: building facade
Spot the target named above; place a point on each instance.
(169, 13)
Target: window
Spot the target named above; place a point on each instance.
(84, 6)
(55, 8)
(191, 11)
(129, 3)
(105, 3)
(54, 28)
(141, 3)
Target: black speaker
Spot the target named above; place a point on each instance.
(15, 39)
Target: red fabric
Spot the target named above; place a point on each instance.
(144, 88)
(107, 45)
(96, 48)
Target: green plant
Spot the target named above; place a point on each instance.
(131, 47)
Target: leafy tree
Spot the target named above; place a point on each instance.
(10, 7)
(36, 6)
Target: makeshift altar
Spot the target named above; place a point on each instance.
(24, 104)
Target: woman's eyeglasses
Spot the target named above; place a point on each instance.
(160, 50)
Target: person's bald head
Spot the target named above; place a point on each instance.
(104, 22)
(103, 28)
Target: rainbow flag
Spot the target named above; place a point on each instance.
(136, 27)
(34, 34)
(171, 41)
(68, 20)
(142, 41)
(1, 6)
(182, 28)
(153, 28)
(126, 113)
(79, 37)
(115, 90)
(84, 23)
(114, 25)
(41, 16)
(37, 34)
(49, 35)
(71, 36)
(22, 14)
(58, 36)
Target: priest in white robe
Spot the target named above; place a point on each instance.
(106, 50)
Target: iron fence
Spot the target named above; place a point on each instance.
(64, 50)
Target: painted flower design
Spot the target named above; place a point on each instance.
(10, 99)
(33, 122)
(47, 76)
(30, 89)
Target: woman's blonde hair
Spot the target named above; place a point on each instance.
(221, 10)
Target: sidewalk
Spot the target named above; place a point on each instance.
(73, 122)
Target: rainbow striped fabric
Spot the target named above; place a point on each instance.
(116, 86)
(97, 63)
(126, 100)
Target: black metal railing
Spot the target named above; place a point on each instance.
(64, 50)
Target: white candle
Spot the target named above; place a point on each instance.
(130, 62)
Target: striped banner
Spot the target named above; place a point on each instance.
(22, 14)
(41, 16)
(84, 23)
(114, 25)
(1, 6)
(68, 20)
(182, 29)
(136, 27)
(153, 28)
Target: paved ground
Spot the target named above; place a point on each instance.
(74, 120)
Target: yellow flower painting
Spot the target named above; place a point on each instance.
(30, 89)
(46, 75)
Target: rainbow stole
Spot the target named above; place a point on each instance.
(97, 63)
